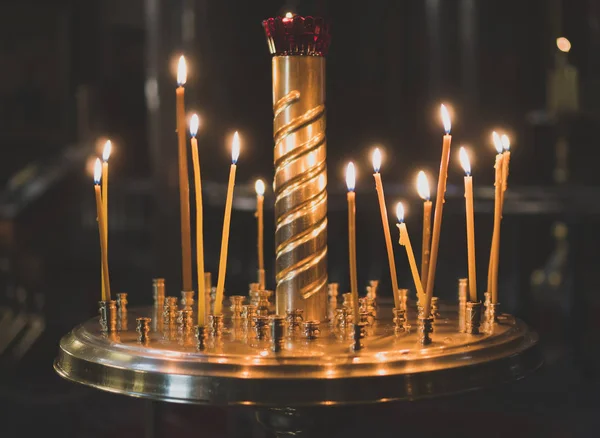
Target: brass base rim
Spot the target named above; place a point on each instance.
(197, 377)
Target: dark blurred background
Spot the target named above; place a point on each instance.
(75, 73)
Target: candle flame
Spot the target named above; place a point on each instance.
(400, 212)
(497, 142)
(235, 148)
(505, 142)
(97, 171)
(107, 150)
(445, 118)
(464, 160)
(181, 71)
(289, 15)
(259, 186)
(376, 160)
(423, 186)
(563, 44)
(350, 177)
(194, 124)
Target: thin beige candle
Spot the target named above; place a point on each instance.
(351, 183)
(235, 153)
(439, 208)
(470, 217)
(405, 241)
(184, 184)
(495, 247)
(101, 228)
(105, 156)
(259, 187)
(425, 194)
(386, 226)
(505, 165)
(194, 124)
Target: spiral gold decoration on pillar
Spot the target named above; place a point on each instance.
(300, 184)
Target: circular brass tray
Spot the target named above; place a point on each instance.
(239, 370)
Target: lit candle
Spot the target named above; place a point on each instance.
(386, 226)
(439, 207)
(425, 194)
(505, 163)
(405, 241)
(259, 186)
(235, 153)
(105, 156)
(194, 124)
(495, 247)
(351, 183)
(184, 185)
(101, 228)
(466, 165)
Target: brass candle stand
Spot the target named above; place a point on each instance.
(299, 346)
(319, 364)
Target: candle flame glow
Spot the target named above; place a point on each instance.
(563, 44)
(107, 150)
(97, 171)
(505, 142)
(259, 186)
(400, 212)
(464, 160)
(235, 148)
(497, 142)
(181, 71)
(376, 160)
(194, 124)
(445, 118)
(350, 177)
(423, 186)
(289, 15)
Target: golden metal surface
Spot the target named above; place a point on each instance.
(300, 184)
(242, 370)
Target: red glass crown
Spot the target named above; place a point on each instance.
(297, 35)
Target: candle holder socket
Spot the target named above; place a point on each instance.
(143, 330)
(216, 325)
(366, 318)
(253, 293)
(122, 303)
(249, 316)
(473, 318)
(332, 302)
(462, 304)
(185, 321)
(358, 335)
(311, 329)
(201, 337)
(262, 308)
(187, 299)
(435, 309)
(420, 311)
(343, 318)
(403, 298)
(170, 311)
(294, 321)
(158, 292)
(400, 323)
(277, 332)
(490, 317)
(108, 315)
(237, 306)
(425, 330)
(262, 327)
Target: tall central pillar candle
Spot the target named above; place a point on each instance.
(299, 46)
